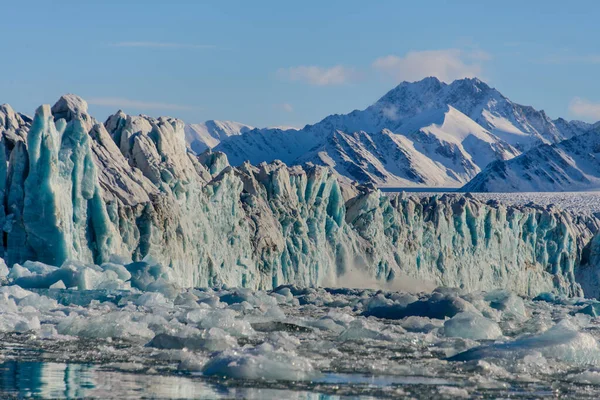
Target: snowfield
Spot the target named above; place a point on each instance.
(576, 202)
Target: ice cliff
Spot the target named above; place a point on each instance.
(129, 191)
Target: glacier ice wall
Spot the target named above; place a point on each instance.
(129, 190)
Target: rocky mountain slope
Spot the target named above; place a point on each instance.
(570, 165)
(422, 133)
(78, 191)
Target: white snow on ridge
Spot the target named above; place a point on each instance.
(504, 129)
(210, 133)
(571, 165)
(574, 202)
(456, 127)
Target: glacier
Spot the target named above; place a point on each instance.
(130, 258)
(130, 191)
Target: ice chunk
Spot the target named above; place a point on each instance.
(562, 342)
(437, 306)
(452, 392)
(39, 303)
(13, 322)
(120, 324)
(152, 299)
(586, 377)
(214, 339)
(58, 285)
(17, 271)
(421, 324)
(545, 296)
(468, 325)
(507, 302)
(592, 310)
(361, 329)
(283, 340)
(3, 269)
(263, 362)
(120, 270)
(145, 273)
(14, 291)
(224, 319)
(37, 267)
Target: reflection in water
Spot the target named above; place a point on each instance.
(56, 380)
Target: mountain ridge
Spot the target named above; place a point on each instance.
(421, 113)
(570, 165)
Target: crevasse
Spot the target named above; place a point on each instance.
(129, 190)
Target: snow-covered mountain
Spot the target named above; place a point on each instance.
(571, 165)
(210, 133)
(426, 132)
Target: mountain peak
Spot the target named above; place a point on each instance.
(471, 85)
(430, 82)
(427, 89)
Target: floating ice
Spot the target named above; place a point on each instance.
(214, 339)
(360, 329)
(118, 324)
(562, 342)
(469, 325)
(219, 333)
(587, 377)
(438, 306)
(263, 362)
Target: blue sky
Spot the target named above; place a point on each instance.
(268, 63)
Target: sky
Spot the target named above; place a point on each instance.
(290, 63)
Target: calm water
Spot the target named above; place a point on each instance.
(49, 380)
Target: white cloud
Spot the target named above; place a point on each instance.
(584, 108)
(287, 107)
(447, 65)
(124, 103)
(319, 76)
(390, 112)
(164, 45)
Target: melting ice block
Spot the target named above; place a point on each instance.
(469, 325)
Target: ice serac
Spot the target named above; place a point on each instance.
(457, 241)
(130, 191)
(63, 216)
